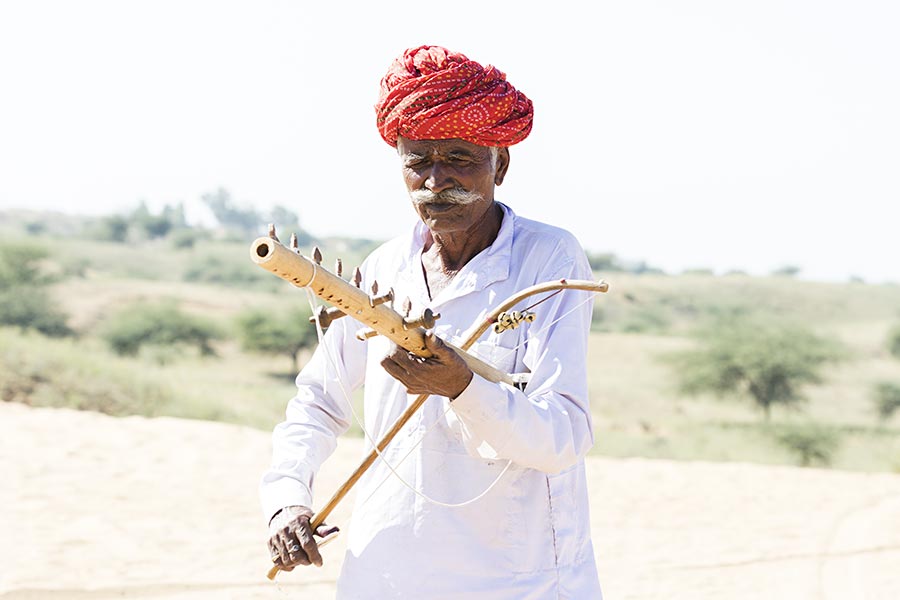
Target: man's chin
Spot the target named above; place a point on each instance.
(442, 223)
(439, 209)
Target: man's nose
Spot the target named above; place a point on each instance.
(439, 179)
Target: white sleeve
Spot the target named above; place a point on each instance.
(315, 417)
(548, 427)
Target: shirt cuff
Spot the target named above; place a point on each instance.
(285, 491)
(481, 402)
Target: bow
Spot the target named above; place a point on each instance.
(347, 299)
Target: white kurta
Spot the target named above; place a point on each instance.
(529, 536)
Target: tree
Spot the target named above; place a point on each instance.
(246, 221)
(160, 324)
(605, 261)
(287, 221)
(768, 363)
(113, 229)
(281, 333)
(787, 271)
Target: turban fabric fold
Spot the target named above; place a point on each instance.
(431, 93)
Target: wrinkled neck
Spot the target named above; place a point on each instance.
(449, 252)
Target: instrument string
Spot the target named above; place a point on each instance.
(393, 468)
(531, 336)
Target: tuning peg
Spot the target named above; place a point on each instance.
(406, 307)
(325, 316)
(357, 277)
(375, 288)
(317, 255)
(339, 267)
(294, 245)
(376, 300)
(364, 334)
(272, 232)
(427, 320)
(512, 320)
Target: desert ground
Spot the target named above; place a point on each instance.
(101, 507)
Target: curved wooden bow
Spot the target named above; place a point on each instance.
(302, 273)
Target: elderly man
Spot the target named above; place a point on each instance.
(483, 495)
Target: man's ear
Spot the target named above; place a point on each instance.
(502, 165)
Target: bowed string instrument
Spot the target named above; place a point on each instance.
(377, 313)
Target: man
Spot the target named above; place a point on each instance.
(484, 494)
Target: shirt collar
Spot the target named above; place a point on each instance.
(488, 266)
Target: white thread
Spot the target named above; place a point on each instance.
(430, 427)
(372, 441)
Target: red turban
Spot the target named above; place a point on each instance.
(431, 93)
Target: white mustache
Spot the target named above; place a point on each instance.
(451, 196)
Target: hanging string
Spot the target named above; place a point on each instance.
(393, 470)
(531, 336)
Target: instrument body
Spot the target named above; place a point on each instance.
(302, 272)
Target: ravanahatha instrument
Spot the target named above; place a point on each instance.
(408, 333)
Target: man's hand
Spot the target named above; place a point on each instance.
(444, 374)
(291, 540)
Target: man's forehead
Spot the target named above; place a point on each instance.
(446, 146)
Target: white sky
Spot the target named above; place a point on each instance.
(717, 134)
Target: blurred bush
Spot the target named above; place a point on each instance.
(277, 333)
(25, 301)
(811, 444)
(765, 361)
(38, 371)
(111, 229)
(158, 324)
(184, 239)
(893, 343)
(886, 399)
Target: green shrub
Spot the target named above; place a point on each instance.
(810, 444)
(30, 307)
(155, 226)
(183, 239)
(887, 399)
(160, 324)
(21, 265)
(606, 261)
(894, 342)
(767, 362)
(112, 229)
(24, 300)
(284, 333)
(54, 374)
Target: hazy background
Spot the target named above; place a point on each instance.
(718, 135)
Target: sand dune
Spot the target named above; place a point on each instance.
(98, 507)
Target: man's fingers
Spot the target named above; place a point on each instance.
(324, 530)
(274, 553)
(309, 546)
(434, 344)
(394, 369)
(293, 547)
(279, 547)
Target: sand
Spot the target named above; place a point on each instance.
(101, 507)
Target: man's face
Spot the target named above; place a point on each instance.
(451, 182)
